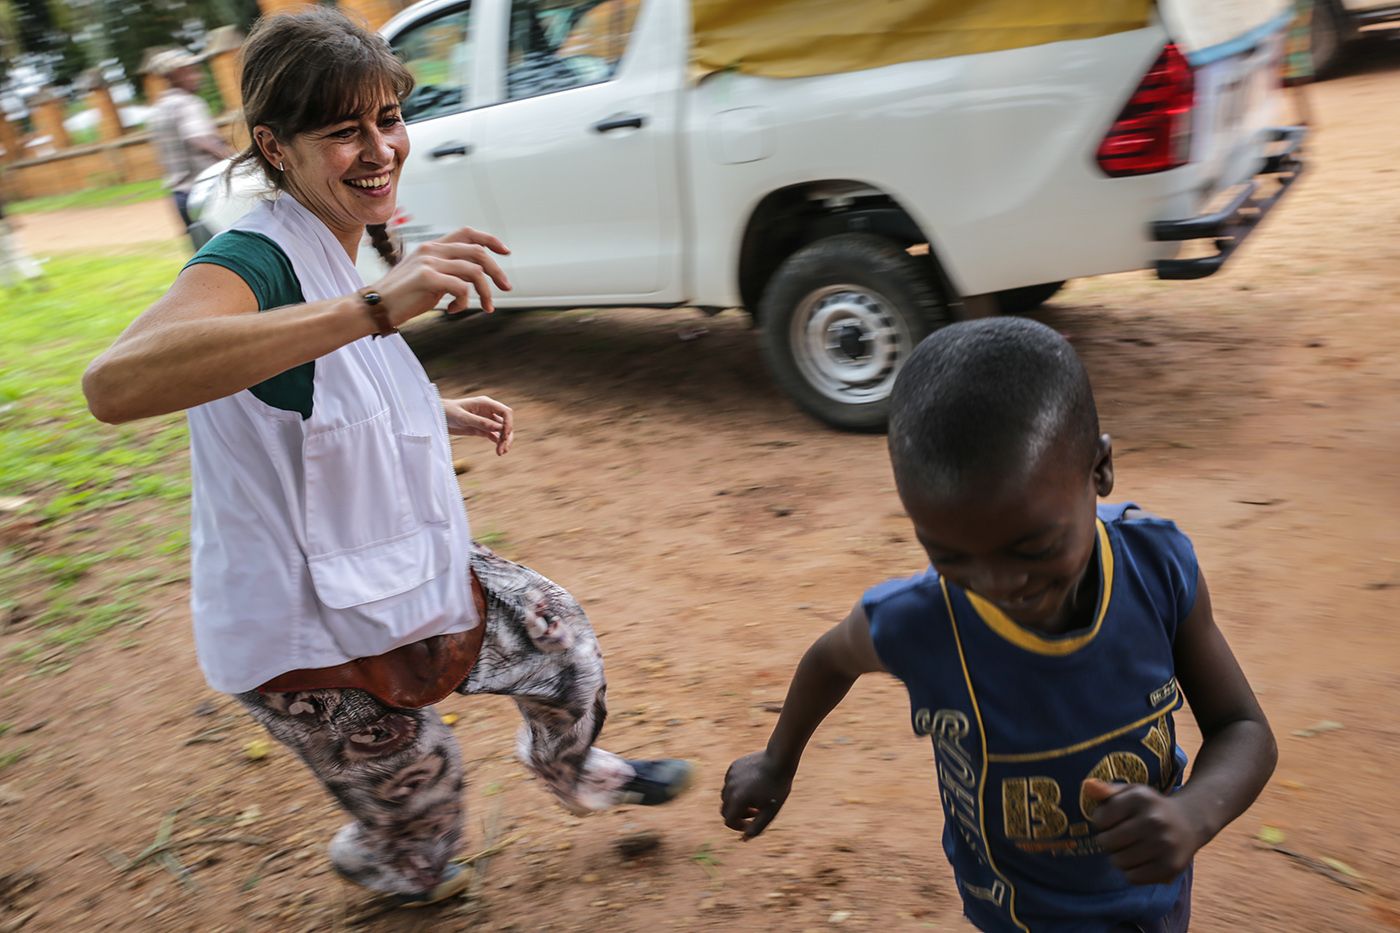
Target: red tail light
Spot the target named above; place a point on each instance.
(1153, 133)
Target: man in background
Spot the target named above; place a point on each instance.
(186, 138)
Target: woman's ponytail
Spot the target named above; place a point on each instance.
(384, 244)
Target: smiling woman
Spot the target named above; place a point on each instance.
(336, 590)
(342, 171)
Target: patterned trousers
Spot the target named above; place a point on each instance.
(398, 772)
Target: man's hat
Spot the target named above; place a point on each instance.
(163, 63)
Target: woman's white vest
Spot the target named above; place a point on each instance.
(336, 537)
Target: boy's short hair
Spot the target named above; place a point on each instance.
(982, 401)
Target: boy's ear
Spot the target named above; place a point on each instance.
(1103, 465)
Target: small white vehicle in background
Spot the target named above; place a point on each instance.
(850, 210)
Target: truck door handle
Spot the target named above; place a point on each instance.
(628, 121)
(450, 149)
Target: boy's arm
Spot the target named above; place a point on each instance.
(756, 785)
(1153, 837)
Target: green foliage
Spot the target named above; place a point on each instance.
(130, 27)
(46, 28)
(71, 35)
(74, 470)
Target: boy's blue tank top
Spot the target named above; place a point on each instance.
(1019, 720)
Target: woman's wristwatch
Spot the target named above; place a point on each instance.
(374, 304)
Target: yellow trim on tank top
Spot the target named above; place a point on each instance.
(1022, 637)
(982, 778)
(1087, 743)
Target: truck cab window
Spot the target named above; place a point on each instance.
(439, 53)
(556, 45)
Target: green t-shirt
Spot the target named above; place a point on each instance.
(261, 264)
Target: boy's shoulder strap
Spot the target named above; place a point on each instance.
(908, 622)
(1159, 555)
(1110, 512)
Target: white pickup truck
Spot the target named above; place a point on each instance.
(849, 212)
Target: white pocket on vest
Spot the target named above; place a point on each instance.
(423, 476)
(356, 494)
(379, 571)
(369, 495)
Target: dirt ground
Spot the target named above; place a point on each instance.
(712, 531)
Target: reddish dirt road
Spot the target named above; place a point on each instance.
(712, 532)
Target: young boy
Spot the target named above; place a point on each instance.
(1042, 652)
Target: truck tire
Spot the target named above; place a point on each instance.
(1328, 35)
(840, 317)
(1027, 299)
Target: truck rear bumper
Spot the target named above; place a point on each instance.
(1230, 225)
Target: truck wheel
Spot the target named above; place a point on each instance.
(1327, 36)
(840, 317)
(1027, 299)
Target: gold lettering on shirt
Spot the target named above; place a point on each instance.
(1031, 808)
(1159, 740)
(957, 779)
(1115, 767)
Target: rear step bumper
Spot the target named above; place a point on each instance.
(1230, 225)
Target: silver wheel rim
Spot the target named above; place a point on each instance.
(848, 342)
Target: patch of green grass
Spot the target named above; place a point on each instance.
(71, 468)
(491, 539)
(704, 856)
(51, 449)
(65, 569)
(10, 758)
(132, 193)
(707, 860)
(85, 137)
(175, 543)
(67, 624)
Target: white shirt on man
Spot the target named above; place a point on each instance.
(178, 119)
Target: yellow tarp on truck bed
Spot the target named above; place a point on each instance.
(799, 38)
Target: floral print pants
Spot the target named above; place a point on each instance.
(398, 772)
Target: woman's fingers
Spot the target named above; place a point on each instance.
(442, 283)
(472, 251)
(501, 416)
(463, 273)
(507, 430)
(478, 426)
(467, 268)
(469, 235)
(483, 288)
(479, 256)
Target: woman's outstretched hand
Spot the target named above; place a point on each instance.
(481, 416)
(455, 265)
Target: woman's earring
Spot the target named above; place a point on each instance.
(282, 166)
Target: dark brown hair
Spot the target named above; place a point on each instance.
(976, 399)
(306, 70)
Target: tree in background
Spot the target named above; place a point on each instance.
(240, 13)
(60, 39)
(10, 46)
(130, 27)
(45, 29)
